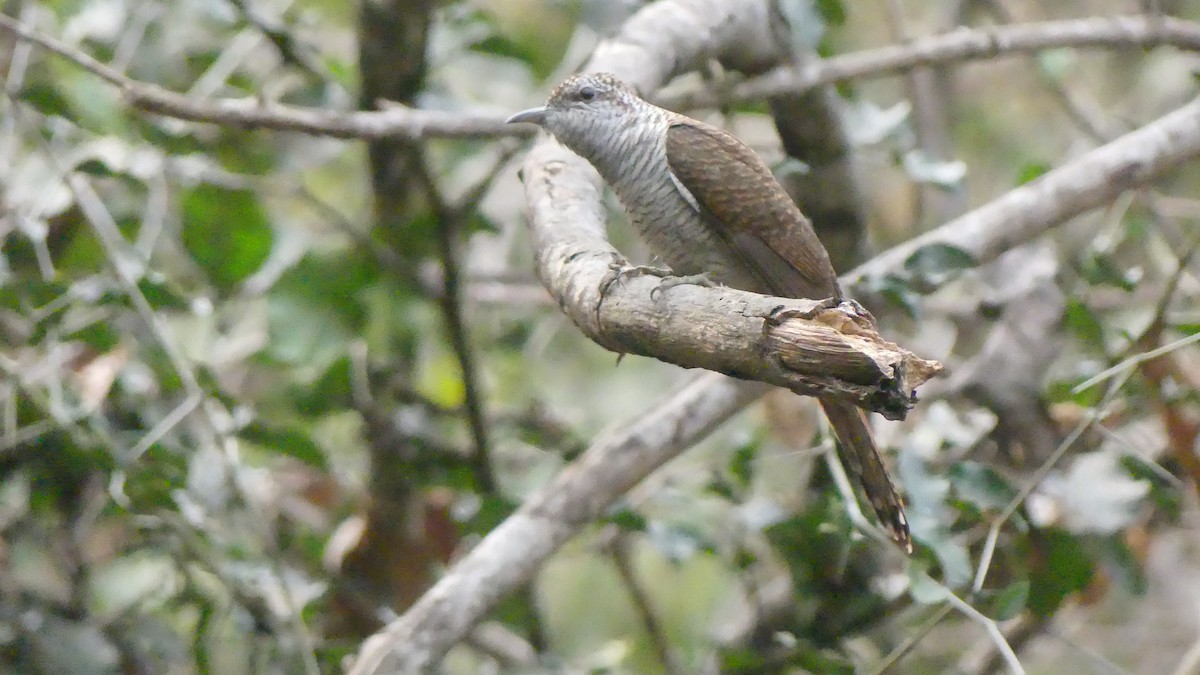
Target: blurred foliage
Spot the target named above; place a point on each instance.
(235, 430)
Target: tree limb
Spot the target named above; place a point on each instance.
(1074, 188)
(511, 554)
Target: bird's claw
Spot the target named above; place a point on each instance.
(619, 271)
(669, 282)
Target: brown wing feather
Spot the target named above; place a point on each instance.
(772, 238)
(751, 211)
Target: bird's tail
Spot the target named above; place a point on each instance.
(856, 447)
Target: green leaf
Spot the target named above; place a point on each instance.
(833, 11)
(317, 306)
(1099, 269)
(898, 292)
(626, 518)
(46, 99)
(1063, 391)
(1062, 566)
(678, 541)
(1186, 327)
(923, 588)
(1163, 494)
(1031, 171)
(500, 45)
(935, 264)
(226, 232)
(804, 657)
(1081, 321)
(1120, 564)
(493, 509)
(953, 557)
(741, 464)
(329, 392)
(980, 485)
(99, 335)
(285, 441)
(1009, 601)
(161, 293)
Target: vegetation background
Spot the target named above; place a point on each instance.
(259, 387)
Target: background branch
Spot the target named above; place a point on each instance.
(962, 44)
(515, 550)
(1074, 188)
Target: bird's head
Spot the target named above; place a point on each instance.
(584, 110)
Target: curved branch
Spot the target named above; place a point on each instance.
(801, 345)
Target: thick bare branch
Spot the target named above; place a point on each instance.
(796, 344)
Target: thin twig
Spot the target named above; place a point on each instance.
(1133, 361)
(396, 121)
(1091, 417)
(289, 48)
(962, 44)
(450, 225)
(911, 641)
(619, 551)
(1026, 629)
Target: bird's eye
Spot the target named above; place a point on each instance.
(587, 94)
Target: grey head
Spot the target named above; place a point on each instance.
(588, 111)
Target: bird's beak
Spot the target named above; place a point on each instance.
(532, 116)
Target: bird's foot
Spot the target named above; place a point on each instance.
(620, 270)
(781, 314)
(670, 282)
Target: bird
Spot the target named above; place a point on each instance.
(710, 208)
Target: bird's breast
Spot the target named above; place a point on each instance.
(666, 217)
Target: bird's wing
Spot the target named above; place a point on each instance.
(750, 210)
